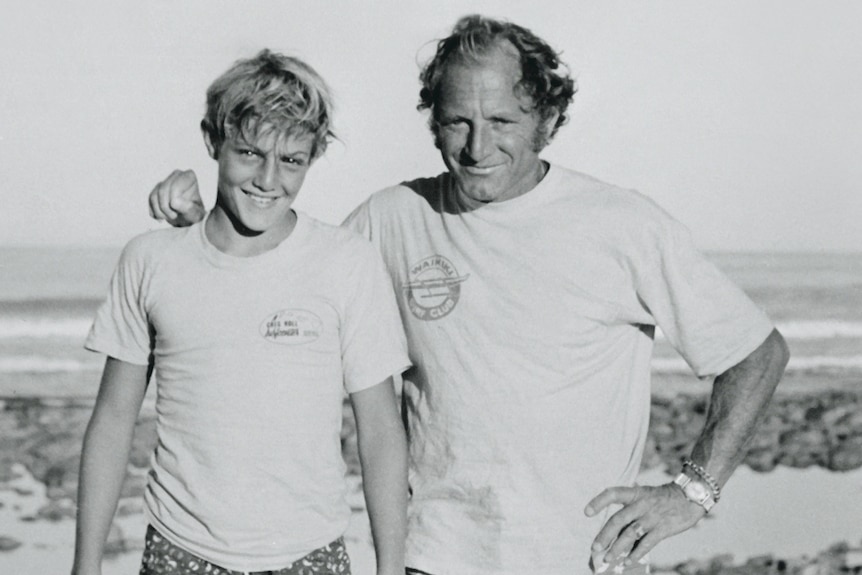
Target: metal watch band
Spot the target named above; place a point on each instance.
(703, 474)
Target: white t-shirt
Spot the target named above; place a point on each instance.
(530, 326)
(252, 357)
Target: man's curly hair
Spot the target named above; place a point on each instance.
(549, 87)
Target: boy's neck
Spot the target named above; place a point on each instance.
(229, 236)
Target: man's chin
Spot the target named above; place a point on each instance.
(481, 193)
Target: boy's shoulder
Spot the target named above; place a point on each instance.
(154, 244)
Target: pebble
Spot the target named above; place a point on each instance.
(8, 543)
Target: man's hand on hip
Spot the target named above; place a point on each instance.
(177, 200)
(648, 515)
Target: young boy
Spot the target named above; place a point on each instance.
(254, 320)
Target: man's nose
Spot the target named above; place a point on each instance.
(478, 142)
(266, 176)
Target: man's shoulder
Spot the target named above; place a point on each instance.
(606, 197)
(337, 240)
(419, 190)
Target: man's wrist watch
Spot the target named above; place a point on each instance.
(695, 491)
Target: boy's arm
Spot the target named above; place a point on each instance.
(383, 454)
(104, 459)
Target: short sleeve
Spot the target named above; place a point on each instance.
(121, 328)
(709, 320)
(359, 220)
(373, 343)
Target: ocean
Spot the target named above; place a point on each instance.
(48, 297)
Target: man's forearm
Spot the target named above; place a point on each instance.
(739, 399)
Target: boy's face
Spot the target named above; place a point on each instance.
(258, 182)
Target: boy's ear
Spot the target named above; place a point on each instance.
(213, 151)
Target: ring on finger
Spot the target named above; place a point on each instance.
(639, 531)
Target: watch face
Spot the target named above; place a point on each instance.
(696, 491)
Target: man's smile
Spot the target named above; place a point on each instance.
(480, 170)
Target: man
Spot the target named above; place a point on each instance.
(530, 295)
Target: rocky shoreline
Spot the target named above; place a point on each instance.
(800, 430)
(839, 558)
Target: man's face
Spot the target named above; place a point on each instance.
(258, 182)
(487, 135)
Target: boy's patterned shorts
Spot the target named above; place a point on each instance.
(161, 557)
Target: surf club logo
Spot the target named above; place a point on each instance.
(291, 327)
(433, 289)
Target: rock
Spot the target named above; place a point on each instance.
(651, 458)
(116, 543)
(8, 543)
(762, 460)
(803, 448)
(57, 510)
(133, 506)
(847, 455)
(836, 414)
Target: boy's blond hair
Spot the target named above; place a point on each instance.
(269, 92)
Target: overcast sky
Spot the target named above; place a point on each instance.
(742, 118)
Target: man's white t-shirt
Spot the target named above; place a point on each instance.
(252, 357)
(530, 325)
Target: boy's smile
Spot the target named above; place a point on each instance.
(257, 184)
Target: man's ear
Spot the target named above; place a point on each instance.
(211, 148)
(548, 125)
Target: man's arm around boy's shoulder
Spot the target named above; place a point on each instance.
(383, 455)
(104, 458)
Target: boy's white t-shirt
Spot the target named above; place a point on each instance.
(252, 358)
(530, 324)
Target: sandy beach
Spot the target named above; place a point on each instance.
(794, 506)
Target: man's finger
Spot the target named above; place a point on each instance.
(645, 545)
(185, 182)
(151, 205)
(157, 208)
(614, 527)
(628, 538)
(163, 191)
(181, 205)
(610, 496)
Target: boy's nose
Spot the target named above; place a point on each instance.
(265, 179)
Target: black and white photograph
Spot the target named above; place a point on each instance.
(441, 288)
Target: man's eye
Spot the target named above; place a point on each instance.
(453, 123)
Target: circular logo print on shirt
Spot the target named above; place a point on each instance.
(291, 327)
(433, 288)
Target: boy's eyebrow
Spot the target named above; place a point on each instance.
(295, 154)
